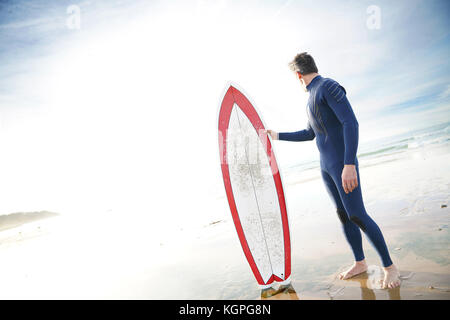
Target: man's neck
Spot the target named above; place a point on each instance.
(309, 77)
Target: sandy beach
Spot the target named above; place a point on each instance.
(407, 196)
(109, 257)
(111, 181)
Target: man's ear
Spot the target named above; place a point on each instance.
(299, 75)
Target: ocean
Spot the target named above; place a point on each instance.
(381, 150)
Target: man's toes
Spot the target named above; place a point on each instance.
(348, 275)
(393, 284)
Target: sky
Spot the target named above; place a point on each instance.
(112, 105)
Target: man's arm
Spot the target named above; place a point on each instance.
(302, 135)
(336, 98)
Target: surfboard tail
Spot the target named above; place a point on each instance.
(274, 280)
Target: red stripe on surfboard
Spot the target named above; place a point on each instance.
(235, 96)
(278, 278)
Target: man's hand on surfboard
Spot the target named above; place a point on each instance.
(273, 134)
(349, 178)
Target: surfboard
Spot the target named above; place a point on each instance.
(254, 189)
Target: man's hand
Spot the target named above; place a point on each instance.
(349, 178)
(273, 134)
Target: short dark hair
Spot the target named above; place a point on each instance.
(303, 63)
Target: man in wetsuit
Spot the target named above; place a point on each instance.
(332, 122)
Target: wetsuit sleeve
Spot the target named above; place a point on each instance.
(302, 135)
(336, 99)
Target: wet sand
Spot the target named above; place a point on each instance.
(407, 197)
(112, 258)
(12, 220)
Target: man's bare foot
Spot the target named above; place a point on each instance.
(391, 277)
(357, 268)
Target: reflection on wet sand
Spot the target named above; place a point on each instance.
(366, 286)
(285, 292)
(367, 282)
(371, 280)
(366, 292)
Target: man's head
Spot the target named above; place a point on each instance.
(304, 64)
(304, 67)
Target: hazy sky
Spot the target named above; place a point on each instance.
(120, 110)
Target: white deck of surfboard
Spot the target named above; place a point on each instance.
(255, 195)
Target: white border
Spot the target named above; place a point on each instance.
(266, 286)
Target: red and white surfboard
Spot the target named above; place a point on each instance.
(254, 189)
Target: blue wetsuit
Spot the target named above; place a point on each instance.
(332, 122)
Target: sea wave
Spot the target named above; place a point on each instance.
(389, 149)
(395, 145)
